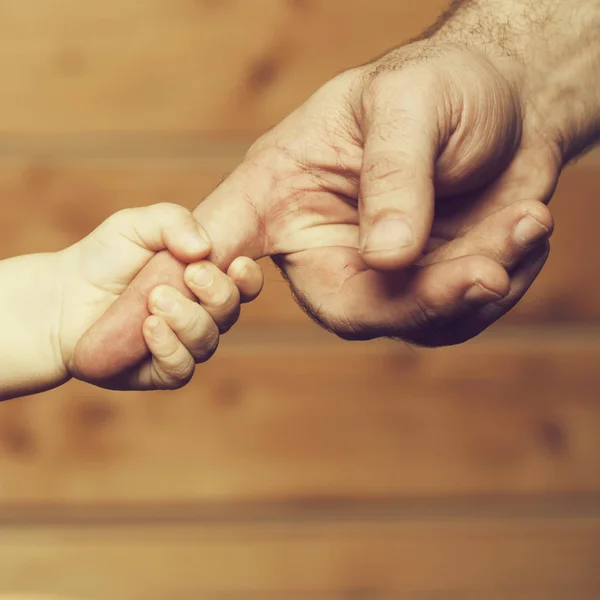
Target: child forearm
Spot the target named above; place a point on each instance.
(30, 301)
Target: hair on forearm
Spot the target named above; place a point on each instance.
(449, 13)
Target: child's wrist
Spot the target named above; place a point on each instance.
(57, 270)
(57, 332)
(31, 306)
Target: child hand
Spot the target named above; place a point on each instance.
(180, 332)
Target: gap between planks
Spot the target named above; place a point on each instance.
(551, 507)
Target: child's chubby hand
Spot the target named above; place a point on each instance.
(180, 332)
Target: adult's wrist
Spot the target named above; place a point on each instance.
(550, 49)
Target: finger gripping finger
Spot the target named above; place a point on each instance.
(115, 343)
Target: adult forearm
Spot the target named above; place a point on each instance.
(556, 44)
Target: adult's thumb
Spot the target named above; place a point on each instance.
(401, 138)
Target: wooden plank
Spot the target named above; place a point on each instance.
(182, 66)
(564, 291)
(320, 421)
(374, 560)
(48, 205)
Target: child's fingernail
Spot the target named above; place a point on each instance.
(158, 328)
(165, 303)
(196, 242)
(529, 231)
(202, 277)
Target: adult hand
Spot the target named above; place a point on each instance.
(405, 198)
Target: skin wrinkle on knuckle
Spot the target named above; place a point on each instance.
(168, 351)
(429, 318)
(205, 334)
(193, 325)
(164, 380)
(499, 250)
(385, 169)
(423, 316)
(402, 189)
(208, 350)
(381, 162)
(180, 372)
(211, 341)
(225, 300)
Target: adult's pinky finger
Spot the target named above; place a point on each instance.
(480, 318)
(171, 365)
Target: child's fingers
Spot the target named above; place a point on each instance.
(191, 323)
(171, 365)
(163, 226)
(216, 292)
(248, 277)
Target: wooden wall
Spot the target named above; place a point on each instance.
(295, 465)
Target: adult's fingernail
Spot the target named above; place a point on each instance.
(202, 277)
(165, 303)
(479, 295)
(389, 234)
(529, 231)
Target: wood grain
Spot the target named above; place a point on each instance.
(312, 420)
(182, 66)
(49, 204)
(372, 560)
(295, 466)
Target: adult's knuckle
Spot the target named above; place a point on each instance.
(387, 164)
(385, 173)
(383, 78)
(537, 210)
(422, 315)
